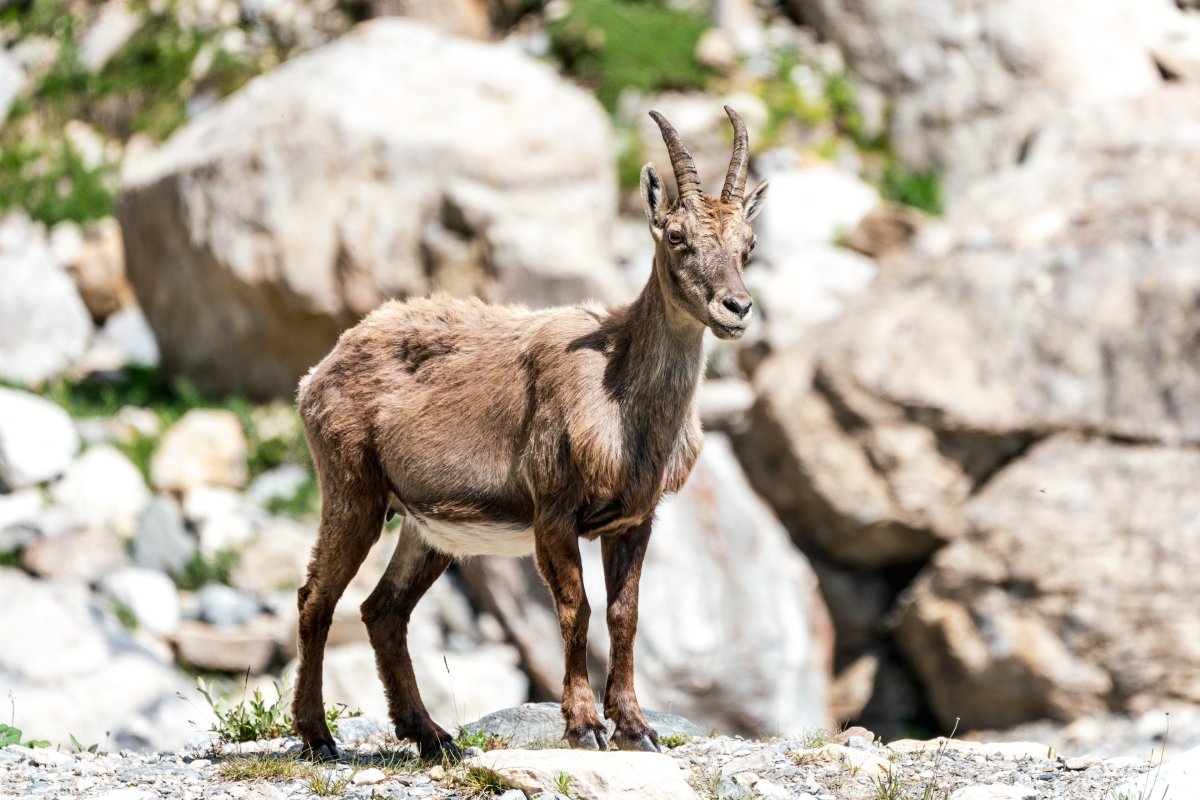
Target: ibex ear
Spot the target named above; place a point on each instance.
(753, 204)
(654, 198)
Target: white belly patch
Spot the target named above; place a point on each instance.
(475, 538)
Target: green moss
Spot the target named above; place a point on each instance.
(921, 189)
(53, 183)
(611, 45)
(202, 570)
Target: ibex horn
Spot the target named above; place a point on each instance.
(735, 179)
(686, 176)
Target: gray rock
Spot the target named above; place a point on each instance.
(148, 594)
(206, 447)
(106, 488)
(83, 555)
(161, 541)
(541, 724)
(12, 80)
(279, 483)
(37, 438)
(44, 325)
(223, 605)
(378, 166)
(1002, 629)
(128, 339)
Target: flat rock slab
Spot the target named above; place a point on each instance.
(589, 775)
(541, 724)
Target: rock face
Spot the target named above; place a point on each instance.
(37, 439)
(1003, 628)
(973, 81)
(732, 632)
(392, 162)
(44, 326)
(1057, 297)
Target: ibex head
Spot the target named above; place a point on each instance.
(702, 242)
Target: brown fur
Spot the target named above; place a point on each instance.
(572, 421)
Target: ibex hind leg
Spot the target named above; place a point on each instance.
(413, 569)
(351, 521)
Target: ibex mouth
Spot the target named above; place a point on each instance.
(723, 331)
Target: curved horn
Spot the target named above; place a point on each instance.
(686, 176)
(735, 179)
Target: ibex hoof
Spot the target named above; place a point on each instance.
(441, 750)
(587, 738)
(644, 742)
(322, 751)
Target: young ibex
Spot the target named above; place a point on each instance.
(499, 430)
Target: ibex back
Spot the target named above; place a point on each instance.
(499, 430)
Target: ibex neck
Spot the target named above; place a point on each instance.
(666, 348)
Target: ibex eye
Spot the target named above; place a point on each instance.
(675, 238)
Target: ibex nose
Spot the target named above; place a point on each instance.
(738, 303)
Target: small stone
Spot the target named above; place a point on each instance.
(372, 776)
(278, 484)
(161, 541)
(37, 438)
(746, 779)
(205, 448)
(106, 488)
(50, 758)
(437, 773)
(148, 594)
(1081, 763)
(471, 752)
(512, 794)
(766, 788)
(994, 791)
(224, 605)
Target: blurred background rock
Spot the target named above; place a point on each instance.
(952, 475)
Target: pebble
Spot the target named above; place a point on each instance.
(369, 777)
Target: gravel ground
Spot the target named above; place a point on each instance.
(852, 767)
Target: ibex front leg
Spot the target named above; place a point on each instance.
(623, 554)
(557, 554)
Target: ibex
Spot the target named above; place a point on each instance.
(498, 430)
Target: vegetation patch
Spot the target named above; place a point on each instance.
(254, 717)
(266, 767)
(611, 45)
(482, 739)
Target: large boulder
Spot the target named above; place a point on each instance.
(393, 162)
(732, 632)
(1063, 598)
(972, 82)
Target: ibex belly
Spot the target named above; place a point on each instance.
(463, 538)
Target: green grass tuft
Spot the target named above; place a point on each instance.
(611, 45)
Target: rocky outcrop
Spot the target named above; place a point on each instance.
(973, 82)
(743, 644)
(1056, 297)
(1062, 599)
(390, 163)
